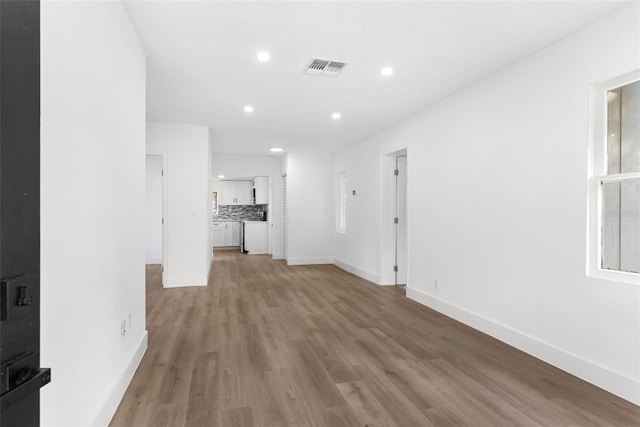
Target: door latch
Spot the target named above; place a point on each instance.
(24, 298)
(17, 298)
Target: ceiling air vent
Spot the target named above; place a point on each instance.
(325, 67)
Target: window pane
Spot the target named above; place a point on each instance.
(613, 131)
(623, 129)
(621, 226)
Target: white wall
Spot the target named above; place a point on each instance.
(310, 201)
(244, 166)
(92, 217)
(188, 220)
(358, 249)
(497, 208)
(153, 210)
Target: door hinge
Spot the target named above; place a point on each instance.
(396, 172)
(163, 269)
(395, 220)
(395, 268)
(162, 172)
(163, 220)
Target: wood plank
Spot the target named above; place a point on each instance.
(266, 344)
(238, 417)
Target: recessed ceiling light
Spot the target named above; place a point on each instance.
(263, 56)
(220, 176)
(336, 116)
(248, 109)
(386, 71)
(276, 149)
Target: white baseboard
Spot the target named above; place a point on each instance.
(600, 376)
(120, 387)
(157, 260)
(360, 272)
(309, 261)
(277, 255)
(180, 282)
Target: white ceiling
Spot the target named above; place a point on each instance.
(202, 66)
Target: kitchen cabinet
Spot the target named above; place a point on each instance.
(218, 234)
(235, 193)
(225, 234)
(261, 190)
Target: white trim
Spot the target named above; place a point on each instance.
(181, 282)
(615, 276)
(597, 175)
(156, 260)
(618, 177)
(110, 405)
(309, 261)
(360, 272)
(613, 382)
(386, 215)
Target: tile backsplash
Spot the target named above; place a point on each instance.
(240, 212)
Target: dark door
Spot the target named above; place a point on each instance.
(20, 374)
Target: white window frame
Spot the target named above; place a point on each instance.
(598, 176)
(341, 211)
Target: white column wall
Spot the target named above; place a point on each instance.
(310, 208)
(92, 209)
(188, 219)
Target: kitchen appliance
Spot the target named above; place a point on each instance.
(255, 237)
(242, 251)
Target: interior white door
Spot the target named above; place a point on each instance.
(401, 214)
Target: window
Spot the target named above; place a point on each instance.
(614, 248)
(342, 203)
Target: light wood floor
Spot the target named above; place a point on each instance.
(270, 345)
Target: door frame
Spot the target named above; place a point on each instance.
(20, 189)
(387, 213)
(165, 211)
(402, 263)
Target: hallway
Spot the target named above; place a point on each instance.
(265, 344)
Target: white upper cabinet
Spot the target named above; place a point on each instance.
(234, 193)
(261, 190)
(243, 193)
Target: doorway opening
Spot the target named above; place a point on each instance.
(400, 203)
(155, 234)
(394, 248)
(283, 234)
